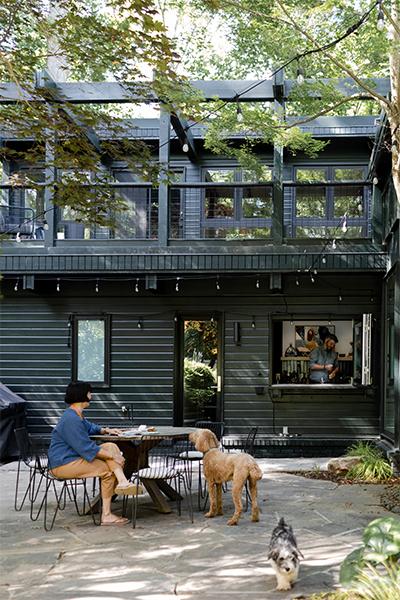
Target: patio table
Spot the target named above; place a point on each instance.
(135, 446)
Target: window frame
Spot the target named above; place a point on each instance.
(237, 220)
(329, 220)
(364, 320)
(106, 381)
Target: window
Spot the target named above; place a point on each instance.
(294, 340)
(240, 211)
(91, 350)
(320, 205)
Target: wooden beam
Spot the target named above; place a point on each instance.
(184, 134)
(234, 91)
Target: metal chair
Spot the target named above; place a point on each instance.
(216, 427)
(35, 460)
(249, 444)
(63, 488)
(165, 472)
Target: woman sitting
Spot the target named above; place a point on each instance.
(73, 454)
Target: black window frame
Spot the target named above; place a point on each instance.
(106, 382)
(329, 219)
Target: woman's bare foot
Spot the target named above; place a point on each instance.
(112, 519)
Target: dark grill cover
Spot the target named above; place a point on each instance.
(12, 415)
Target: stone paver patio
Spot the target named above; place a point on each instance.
(167, 557)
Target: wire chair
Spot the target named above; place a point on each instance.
(63, 489)
(164, 472)
(29, 456)
(216, 427)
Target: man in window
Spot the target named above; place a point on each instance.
(324, 362)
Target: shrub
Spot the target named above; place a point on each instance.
(373, 466)
(199, 380)
(373, 570)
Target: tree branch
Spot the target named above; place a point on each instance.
(384, 102)
(322, 112)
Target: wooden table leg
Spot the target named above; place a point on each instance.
(153, 487)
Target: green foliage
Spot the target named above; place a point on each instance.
(377, 559)
(373, 466)
(95, 40)
(198, 381)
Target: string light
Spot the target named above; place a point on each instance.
(333, 244)
(176, 318)
(324, 260)
(300, 76)
(218, 287)
(375, 181)
(58, 284)
(297, 281)
(344, 224)
(185, 147)
(340, 298)
(315, 272)
(97, 286)
(177, 284)
(239, 113)
(291, 320)
(253, 322)
(137, 285)
(312, 278)
(18, 237)
(258, 284)
(16, 285)
(380, 24)
(140, 323)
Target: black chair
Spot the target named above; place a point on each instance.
(63, 488)
(166, 471)
(33, 456)
(216, 427)
(249, 444)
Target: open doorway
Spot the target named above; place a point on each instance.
(198, 387)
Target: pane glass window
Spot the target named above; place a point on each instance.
(236, 233)
(349, 174)
(219, 203)
(220, 175)
(90, 357)
(331, 232)
(264, 174)
(257, 202)
(311, 175)
(310, 202)
(349, 200)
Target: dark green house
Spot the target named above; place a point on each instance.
(206, 297)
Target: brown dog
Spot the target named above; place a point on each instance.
(220, 467)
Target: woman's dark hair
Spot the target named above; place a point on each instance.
(77, 392)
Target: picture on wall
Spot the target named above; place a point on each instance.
(306, 337)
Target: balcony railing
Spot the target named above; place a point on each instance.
(204, 211)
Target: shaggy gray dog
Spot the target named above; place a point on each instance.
(284, 554)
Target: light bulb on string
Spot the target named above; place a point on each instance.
(380, 24)
(177, 284)
(291, 320)
(375, 181)
(323, 260)
(217, 286)
(297, 281)
(360, 206)
(315, 272)
(344, 224)
(333, 244)
(97, 286)
(300, 76)
(258, 284)
(312, 278)
(16, 285)
(58, 284)
(137, 285)
(340, 298)
(185, 148)
(239, 113)
(140, 323)
(253, 322)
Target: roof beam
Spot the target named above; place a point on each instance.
(234, 91)
(184, 134)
